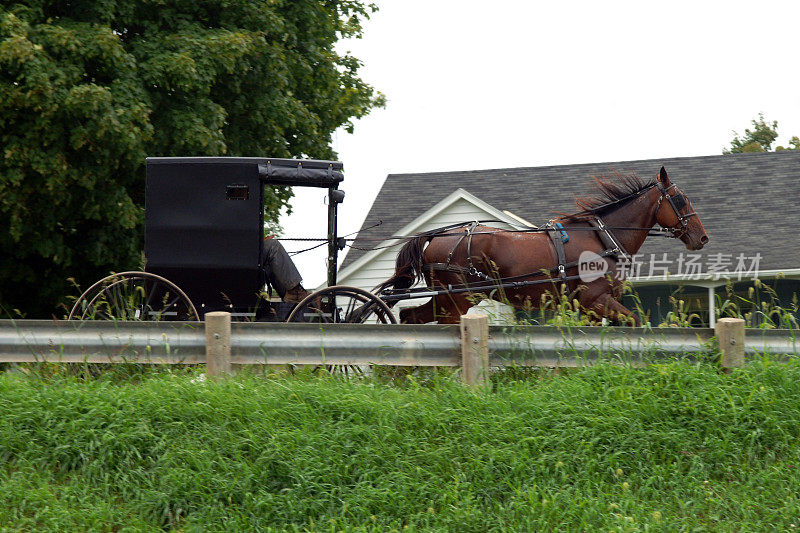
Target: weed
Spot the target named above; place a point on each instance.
(760, 307)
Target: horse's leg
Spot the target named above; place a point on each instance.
(607, 306)
(450, 307)
(444, 309)
(422, 314)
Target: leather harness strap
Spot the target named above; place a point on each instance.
(449, 267)
(558, 243)
(612, 249)
(607, 238)
(471, 271)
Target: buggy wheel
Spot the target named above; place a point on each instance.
(134, 296)
(342, 304)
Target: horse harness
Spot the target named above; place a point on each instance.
(558, 237)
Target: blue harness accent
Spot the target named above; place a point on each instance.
(562, 231)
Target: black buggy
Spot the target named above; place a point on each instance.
(204, 233)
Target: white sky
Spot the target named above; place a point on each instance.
(476, 84)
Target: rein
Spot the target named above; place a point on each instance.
(677, 202)
(653, 232)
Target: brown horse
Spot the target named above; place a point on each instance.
(477, 255)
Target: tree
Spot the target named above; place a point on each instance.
(89, 88)
(760, 138)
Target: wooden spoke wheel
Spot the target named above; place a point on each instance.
(134, 296)
(342, 304)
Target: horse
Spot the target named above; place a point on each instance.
(611, 227)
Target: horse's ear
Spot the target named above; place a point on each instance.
(662, 177)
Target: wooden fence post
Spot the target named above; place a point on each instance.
(218, 343)
(475, 350)
(730, 335)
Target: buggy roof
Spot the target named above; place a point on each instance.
(272, 171)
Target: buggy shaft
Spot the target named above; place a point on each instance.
(424, 293)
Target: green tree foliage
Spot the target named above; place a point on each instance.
(760, 138)
(89, 88)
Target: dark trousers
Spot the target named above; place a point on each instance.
(278, 267)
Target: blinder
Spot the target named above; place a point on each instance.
(678, 202)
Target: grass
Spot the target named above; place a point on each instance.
(669, 447)
(759, 306)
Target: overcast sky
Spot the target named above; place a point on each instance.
(473, 85)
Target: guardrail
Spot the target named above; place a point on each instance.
(472, 344)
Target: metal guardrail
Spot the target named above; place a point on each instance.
(353, 344)
(550, 345)
(101, 342)
(357, 344)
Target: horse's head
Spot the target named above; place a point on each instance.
(674, 211)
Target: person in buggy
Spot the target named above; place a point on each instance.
(280, 271)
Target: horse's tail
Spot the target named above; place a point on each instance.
(408, 268)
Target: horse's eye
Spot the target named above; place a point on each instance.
(679, 201)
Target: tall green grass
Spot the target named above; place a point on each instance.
(669, 447)
(760, 307)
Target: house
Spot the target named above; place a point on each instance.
(748, 204)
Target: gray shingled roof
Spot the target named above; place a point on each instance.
(747, 202)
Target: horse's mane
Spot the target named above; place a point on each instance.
(609, 194)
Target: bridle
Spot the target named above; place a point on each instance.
(677, 201)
